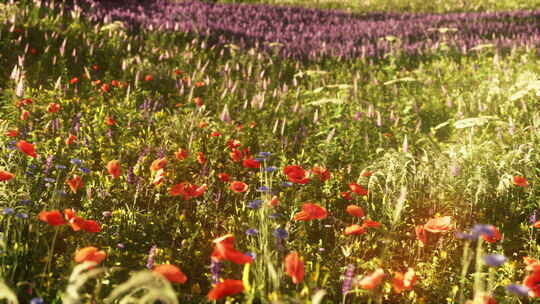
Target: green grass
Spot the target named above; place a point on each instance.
(444, 134)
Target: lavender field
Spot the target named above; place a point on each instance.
(193, 152)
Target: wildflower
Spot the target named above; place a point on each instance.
(159, 163)
(495, 260)
(215, 269)
(5, 176)
(181, 154)
(347, 281)
(311, 211)
(270, 169)
(421, 235)
(8, 211)
(265, 154)
(75, 183)
(84, 170)
(91, 226)
(71, 139)
(518, 289)
(294, 267)
(170, 272)
(274, 201)
(532, 281)
(90, 254)
(371, 224)
(251, 163)
(198, 101)
(114, 169)
(296, 174)
(106, 213)
(495, 235)
(322, 173)
(187, 190)
(109, 121)
(53, 107)
(355, 211)
(12, 133)
(238, 187)
(252, 231)
(372, 280)
(201, 158)
(356, 188)
(346, 195)
(236, 155)
(53, 217)
(280, 233)
(226, 288)
(37, 301)
(22, 215)
(263, 189)
(224, 250)
(224, 177)
(367, 173)
(148, 78)
(439, 224)
(24, 115)
(159, 177)
(74, 80)
(256, 204)
(520, 181)
(286, 184)
(405, 281)
(27, 148)
(355, 229)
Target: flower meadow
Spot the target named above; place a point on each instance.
(189, 152)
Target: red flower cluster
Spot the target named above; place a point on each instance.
(296, 174)
(187, 190)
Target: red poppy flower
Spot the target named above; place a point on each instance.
(90, 254)
(355, 211)
(53, 217)
(310, 212)
(24, 115)
(12, 133)
(274, 201)
(71, 139)
(215, 134)
(356, 188)
(160, 176)
(251, 163)
(421, 235)
(201, 158)
(536, 224)
(294, 267)
(495, 235)
(27, 148)
(91, 226)
(115, 83)
(520, 181)
(181, 154)
(105, 88)
(355, 229)
(372, 280)
(203, 124)
(187, 190)
(5, 176)
(405, 281)
(532, 281)
(371, 224)
(439, 224)
(226, 288)
(224, 250)
(159, 163)
(75, 183)
(239, 187)
(532, 264)
(200, 84)
(114, 169)
(236, 155)
(76, 222)
(296, 174)
(53, 107)
(148, 78)
(109, 121)
(367, 173)
(198, 101)
(95, 67)
(322, 173)
(233, 143)
(74, 80)
(224, 177)
(346, 195)
(172, 273)
(178, 72)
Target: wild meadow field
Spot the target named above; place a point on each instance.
(279, 152)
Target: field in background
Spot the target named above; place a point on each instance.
(364, 165)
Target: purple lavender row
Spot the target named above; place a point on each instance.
(311, 33)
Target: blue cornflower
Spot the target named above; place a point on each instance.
(49, 180)
(256, 204)
(286, 184)
(252, 231)
(495, 260)
(253, 255)
(37, 301)
(280, 233)
(8, 210)
(265, 154)
(270, 169)
(259, 159)
(518, 289)
(263, 189)
(22, 215)
(75, 161)
(85, 170)
(25, 202)
(60, 167)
